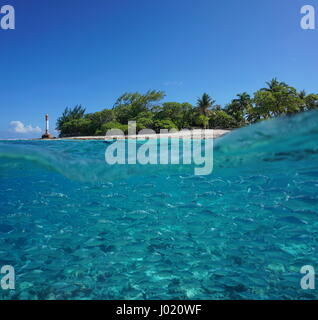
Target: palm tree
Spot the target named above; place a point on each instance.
(274, 85)
(204, 104)
(243, 101)
(239, 106)
(302, 94)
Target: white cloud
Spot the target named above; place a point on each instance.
(19, 127)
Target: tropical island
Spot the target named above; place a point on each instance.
(276, 99)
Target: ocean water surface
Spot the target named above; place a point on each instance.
(74, 227)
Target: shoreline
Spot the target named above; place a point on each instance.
(187, 134)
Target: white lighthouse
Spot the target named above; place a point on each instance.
(47, 124)
(47, 134)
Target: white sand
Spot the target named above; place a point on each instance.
(194, 134)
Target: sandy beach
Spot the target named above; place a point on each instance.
(186, 134)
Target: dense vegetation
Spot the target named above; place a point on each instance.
(276, 99)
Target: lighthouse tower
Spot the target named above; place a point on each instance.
(47, 134)
(47, 124)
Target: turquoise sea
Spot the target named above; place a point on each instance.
(74, 227)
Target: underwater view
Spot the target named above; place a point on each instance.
(75, 227)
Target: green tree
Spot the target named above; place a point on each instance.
(311, 102)
(163, 124)
(76, 127)
(275, 100)
(144, 120)
(129, 105)
(70, 114)
(202, 121)
(219, 119)
(99, 118)
(113, 125)
(204, 104)
(239, 107)
(181, 114)
(274, 85)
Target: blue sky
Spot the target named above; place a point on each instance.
(64, 53)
